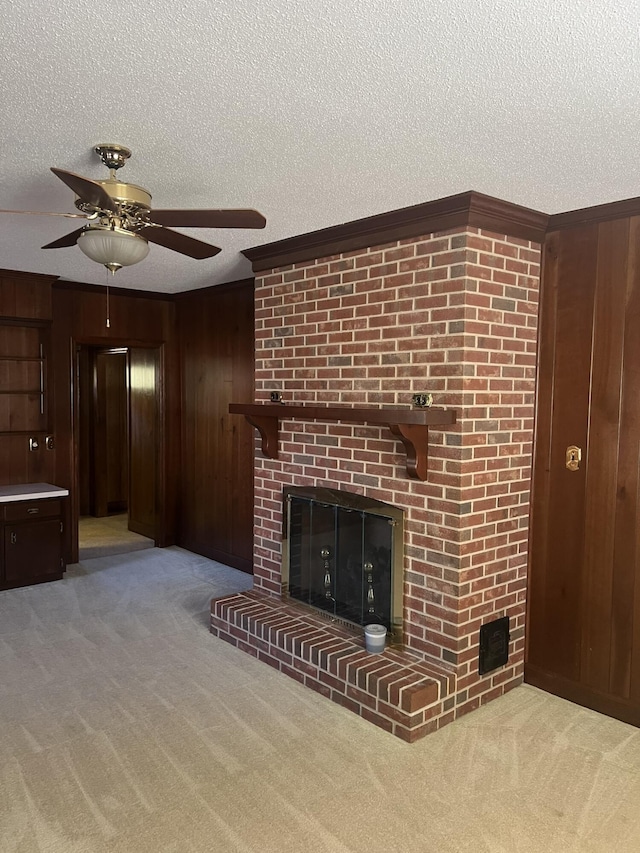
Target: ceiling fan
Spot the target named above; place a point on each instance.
(121, 222)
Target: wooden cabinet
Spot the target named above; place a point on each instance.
(32, 542)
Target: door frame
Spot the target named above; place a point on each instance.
(74, 509)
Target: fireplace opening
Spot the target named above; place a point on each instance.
(343, 555)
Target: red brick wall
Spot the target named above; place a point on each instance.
(454, 314)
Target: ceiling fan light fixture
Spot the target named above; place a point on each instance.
(113, 247)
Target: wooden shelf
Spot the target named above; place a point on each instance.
(411, 426)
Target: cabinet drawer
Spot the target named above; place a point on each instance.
(30, 510)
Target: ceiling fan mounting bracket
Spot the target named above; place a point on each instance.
(112, 155)
(129, 198)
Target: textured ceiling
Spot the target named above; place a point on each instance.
(315, 113)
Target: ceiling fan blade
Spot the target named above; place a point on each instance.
(179, 242)
(89, 191)
(46, 213)
(209, 218)
(68, 240)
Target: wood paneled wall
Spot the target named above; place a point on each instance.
(584, 578)
(217, 345)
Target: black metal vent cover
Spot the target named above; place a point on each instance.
(494, 645)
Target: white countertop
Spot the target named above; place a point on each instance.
(31, 491)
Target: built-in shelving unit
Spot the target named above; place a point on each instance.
(22, 377)
(411, 426)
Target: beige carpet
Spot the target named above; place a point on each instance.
(126, 727)
(107, 536)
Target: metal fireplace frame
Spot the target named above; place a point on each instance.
(365, 505)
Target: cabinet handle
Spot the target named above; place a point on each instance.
(14, 538)
(34, 510)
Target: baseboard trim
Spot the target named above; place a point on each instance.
(613, 706)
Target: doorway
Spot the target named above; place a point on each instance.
(118, 439)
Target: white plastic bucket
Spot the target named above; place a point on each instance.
(375, 637)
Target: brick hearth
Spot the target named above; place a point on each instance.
(395, 690)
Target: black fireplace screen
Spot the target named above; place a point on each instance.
(343, 555)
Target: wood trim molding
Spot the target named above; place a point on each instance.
(411, 426)
(457, 211)
(32, 276)
(574, 691)
(216, 289)
(83, 287)
(599, 213)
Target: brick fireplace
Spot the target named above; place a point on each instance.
(440, 298)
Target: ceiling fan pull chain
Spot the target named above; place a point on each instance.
(108, 323)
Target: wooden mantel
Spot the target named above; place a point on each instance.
(411, 426)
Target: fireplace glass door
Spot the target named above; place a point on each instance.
(342, 552)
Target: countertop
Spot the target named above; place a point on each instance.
(30, 492)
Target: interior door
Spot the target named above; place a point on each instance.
(584, 578)
(144, 440)
(108, 447)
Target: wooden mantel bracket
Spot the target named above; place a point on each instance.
(411, 426)
(415, 438)
(267, 426)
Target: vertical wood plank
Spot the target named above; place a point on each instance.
(557, 635)
(144, 441)
(217, 342)
(625, 651)
(584, 585)
(602, 452)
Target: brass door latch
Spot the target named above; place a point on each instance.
(573, 457)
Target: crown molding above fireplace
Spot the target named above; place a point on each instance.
(468, 209)
(411, 426)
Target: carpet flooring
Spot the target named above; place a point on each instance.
(126, 727)
(108, 536)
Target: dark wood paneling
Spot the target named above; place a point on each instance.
(117, 433)
(584, 577)
(19, 341)
(25, 295)
(602, 452)
(625, 209)
(84, 384)
(625, 638)
(217, 337)
(144, 440)
(574, 691)
(20, 465)
(554, 629)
